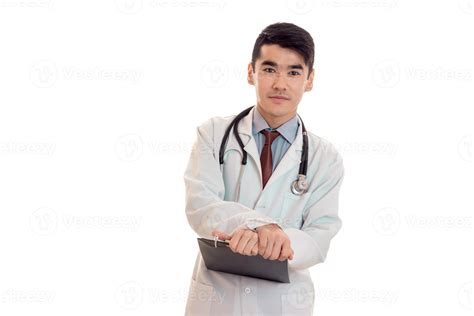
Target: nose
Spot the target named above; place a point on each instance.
(279, 82)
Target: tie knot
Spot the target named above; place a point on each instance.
(270, 136)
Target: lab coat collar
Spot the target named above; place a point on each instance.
(287, 130)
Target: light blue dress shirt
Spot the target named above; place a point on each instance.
(280, 145)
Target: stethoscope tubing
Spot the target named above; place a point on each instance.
(303, 168)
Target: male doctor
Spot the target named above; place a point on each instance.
(252, 206)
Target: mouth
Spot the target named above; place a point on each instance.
(279, 97)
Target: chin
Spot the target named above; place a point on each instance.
(270, 110)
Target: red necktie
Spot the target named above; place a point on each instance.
(266, 155)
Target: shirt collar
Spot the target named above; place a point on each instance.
(288, 130)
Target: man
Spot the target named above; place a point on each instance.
(251, 205)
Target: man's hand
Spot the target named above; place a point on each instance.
(243, 241)
(273, 243)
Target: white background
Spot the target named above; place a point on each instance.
(99, 105)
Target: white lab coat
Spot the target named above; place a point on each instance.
(310, 220)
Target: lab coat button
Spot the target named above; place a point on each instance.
(247, 290)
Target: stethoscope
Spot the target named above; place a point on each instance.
(300, 185)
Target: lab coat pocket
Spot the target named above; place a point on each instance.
(292, 211)
(199, 299)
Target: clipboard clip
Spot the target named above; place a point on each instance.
(216, 240)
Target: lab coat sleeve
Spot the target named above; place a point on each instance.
(320, 221)
(205, 208)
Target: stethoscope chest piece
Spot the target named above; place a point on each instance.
(300, 185)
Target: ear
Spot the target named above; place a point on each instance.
(309, 83)
(250, 74)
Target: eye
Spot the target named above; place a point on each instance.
(294, 73)
(268, 69)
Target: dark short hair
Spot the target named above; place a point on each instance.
(286, 35)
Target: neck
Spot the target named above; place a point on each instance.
(275, 121)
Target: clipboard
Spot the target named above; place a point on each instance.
(219, 257)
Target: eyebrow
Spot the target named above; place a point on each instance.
(274, 64)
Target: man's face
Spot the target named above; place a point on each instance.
(279, 72)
